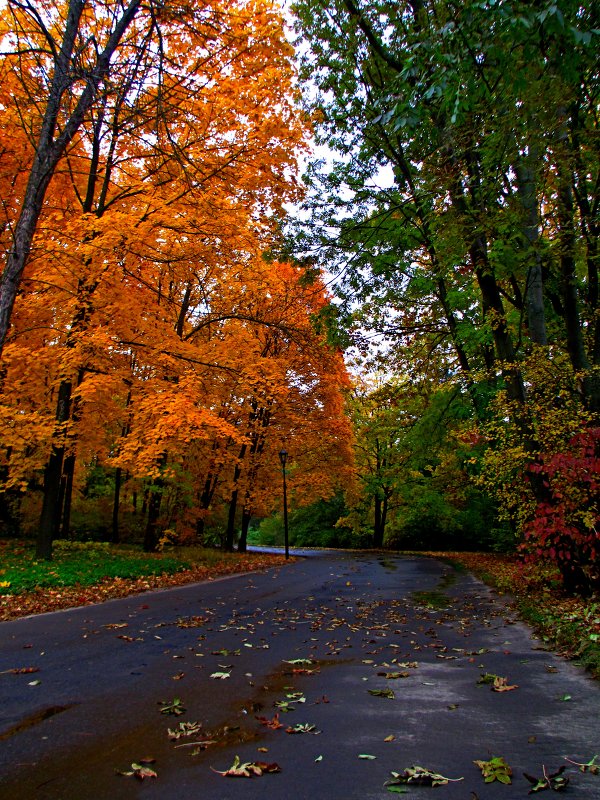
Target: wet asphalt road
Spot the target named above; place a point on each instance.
(104, 670)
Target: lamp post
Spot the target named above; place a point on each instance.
(283, 458)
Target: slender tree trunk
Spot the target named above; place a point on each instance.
(230, 532)
(151, 534)
(536, 315)
(378, 528)
(52, 478)
(206, 496)
(243, 541)
(154, 498)
(114, 535)
(67, 495)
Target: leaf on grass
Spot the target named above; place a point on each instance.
(419, 776)
(555, 781)
(389, 693)
(496, 769)
(248, 769)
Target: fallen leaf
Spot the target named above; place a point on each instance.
(174, 707)
(501, 685)
(393, 675)
(496, 769)
(273, 724)
(389, 693)
(139, 771)
(20, 671)
(248, 769)
(588, 766)
(184, 729)
(420, 776)
(303, 728)
(555, 781)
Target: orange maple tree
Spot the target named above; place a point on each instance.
(150, 336)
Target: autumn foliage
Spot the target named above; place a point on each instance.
(152, 339)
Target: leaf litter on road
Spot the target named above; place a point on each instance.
(419, 776)
(587, 766)
(496, 769)
(248, 769)
(140, 769)
(554, 781)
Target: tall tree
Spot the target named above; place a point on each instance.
(457, 206)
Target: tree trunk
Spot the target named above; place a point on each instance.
(378, 526)
(536, 316)
(230, 533)
(151, 534)
(114, 535)
(243, 541)
(67, 495)
(50, 516)
(51, 147)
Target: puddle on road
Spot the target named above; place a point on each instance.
(436, 598)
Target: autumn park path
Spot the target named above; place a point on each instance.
(317, 646)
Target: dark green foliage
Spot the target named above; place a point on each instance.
(310, 526)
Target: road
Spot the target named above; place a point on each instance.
(354, 624)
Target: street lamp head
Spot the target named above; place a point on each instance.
(283, 457)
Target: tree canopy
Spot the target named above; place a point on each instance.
(458, 208)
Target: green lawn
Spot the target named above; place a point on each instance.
(77, 563)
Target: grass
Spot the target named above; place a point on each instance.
(79, 563)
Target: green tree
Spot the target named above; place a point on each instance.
(457, 207)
